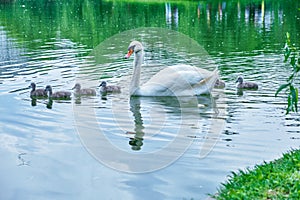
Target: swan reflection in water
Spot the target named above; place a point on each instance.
(136, 142)
(167, 114)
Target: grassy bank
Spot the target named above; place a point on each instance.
(279, 179)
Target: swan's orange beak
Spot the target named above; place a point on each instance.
(130, 51)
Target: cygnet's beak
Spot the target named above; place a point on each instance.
(129, 53)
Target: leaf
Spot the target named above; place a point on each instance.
(297, 68)
(293, 62)
(295, 98)
(281, 88)
(287, 53)
(288, 109)
(297, 65)
(291, 77)
(292, 91)
(288, 40)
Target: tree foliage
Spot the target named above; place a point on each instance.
(292, 56)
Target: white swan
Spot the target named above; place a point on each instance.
(177, 80)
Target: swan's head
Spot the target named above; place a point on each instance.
(239, 80)
(134, 47)
(77, 86)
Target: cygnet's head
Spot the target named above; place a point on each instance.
(32, 85)
(134, 47)
(239, 80)
(48, 88)
(77, 86)
(103, 84)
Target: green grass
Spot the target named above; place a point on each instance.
(279, 179)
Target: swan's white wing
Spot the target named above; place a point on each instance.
(179, 80)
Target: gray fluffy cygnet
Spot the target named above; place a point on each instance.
(245, 85)
(58, 94)
(109, 88)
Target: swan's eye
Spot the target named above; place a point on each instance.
(131, 48)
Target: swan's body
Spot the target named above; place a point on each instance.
(177, 80)
(84, 91)
(246, 85)
(37, 92)
(57, 95)
(109, 88)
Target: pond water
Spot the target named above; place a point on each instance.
(117, 147)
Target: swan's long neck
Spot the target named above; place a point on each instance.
(137, 63)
